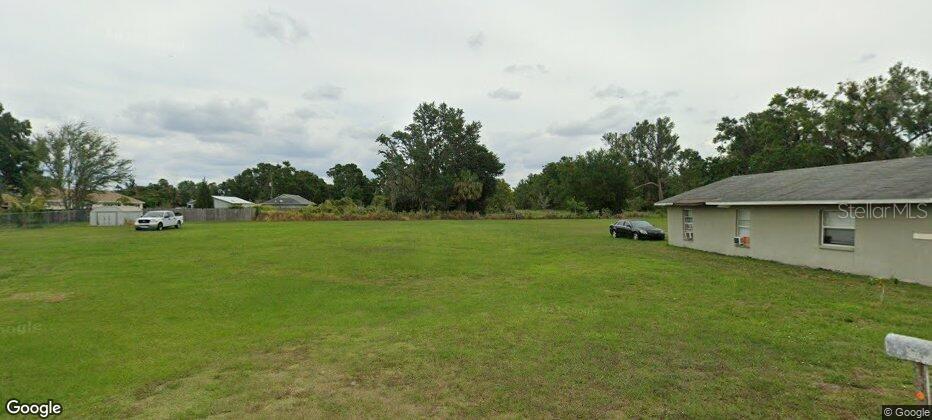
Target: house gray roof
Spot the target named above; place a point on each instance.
(907, 180)
(288, 200)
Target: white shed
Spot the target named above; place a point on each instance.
(103, 215)
(224, 202)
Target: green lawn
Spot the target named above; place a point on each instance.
(437, 318)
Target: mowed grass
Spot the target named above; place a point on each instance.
(437, 318)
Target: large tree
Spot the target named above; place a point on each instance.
(883, 117)
(19, 164)
(160, 194)
(503, 200)
(651, 149)
(788, 134)
(691, 172)
(598, 179)
(203, 198)
(349, 181)
(534, 192)
(423, 162)
(187, 190)
(79, 160)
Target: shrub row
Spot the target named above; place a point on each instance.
(345, 209)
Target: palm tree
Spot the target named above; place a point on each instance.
(467, 188)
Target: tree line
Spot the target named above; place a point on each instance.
(883, 117)
(438, 163)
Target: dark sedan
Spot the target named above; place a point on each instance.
(635, 229)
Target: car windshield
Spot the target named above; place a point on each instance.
(153, 214)
(641, 224)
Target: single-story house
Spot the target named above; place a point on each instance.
(871, 218)
(288, 201)
(225, 202)
(53, 200)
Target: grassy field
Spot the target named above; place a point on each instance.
(437, 318)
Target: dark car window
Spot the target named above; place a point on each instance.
(641, 224)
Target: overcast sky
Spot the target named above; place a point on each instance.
(206, 89)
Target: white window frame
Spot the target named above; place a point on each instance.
(688, 224)
(743, 223)
(823, 226)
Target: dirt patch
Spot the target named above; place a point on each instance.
(285, 382)
(48, 297)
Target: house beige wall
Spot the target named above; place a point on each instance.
(884, 247)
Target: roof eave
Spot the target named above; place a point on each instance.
(803, 202)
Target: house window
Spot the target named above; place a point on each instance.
(687, 224)
(837, 228)
(743, 228)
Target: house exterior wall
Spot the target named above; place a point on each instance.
(884, 247)
(220, 204)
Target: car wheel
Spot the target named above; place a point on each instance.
(178, 225)
(636, 237)
(159, 227)
(614, 233)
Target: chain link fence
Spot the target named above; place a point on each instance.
(43, 218)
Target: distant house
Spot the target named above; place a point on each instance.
(224, 202)
(6, 201)
(871, 218)
(53, 200)
(288, 201)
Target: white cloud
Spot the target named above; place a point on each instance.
(305, 113)
(476, 41)
(277, 25)
(526, 69)
(327, 92)
(867, 57)
(618, 117)
(610, 91)
(188, 97)
(505, 94)
(215, 116)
